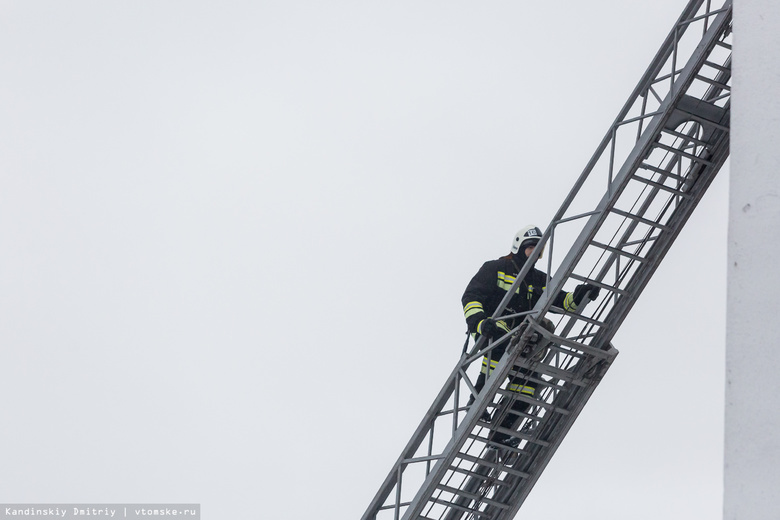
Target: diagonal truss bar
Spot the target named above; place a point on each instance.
(654, 165)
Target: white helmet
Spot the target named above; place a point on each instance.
(528, 236)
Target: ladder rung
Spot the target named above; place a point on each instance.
(455, 506)
(716, 66)
(600, 284)
(580, 351)
(518, 451)
(661, 186)
(472, 496)
(619, 251)
(641, 241)
(677, 151)
(685, 137)
(450, 505)
(575, 353)
(542, 368)
(713, 82)
(642, 220)
(586, 319)
(474, 473)
(587, 349)
(706, 122)
(559, 374)
(492, 465)
(656, 169)
(523, 415)
(533, 402)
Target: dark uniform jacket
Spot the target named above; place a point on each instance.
(488, 287)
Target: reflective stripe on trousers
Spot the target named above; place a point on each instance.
(512, 387)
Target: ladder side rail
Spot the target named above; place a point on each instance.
(393, 478)
(426, 425)
(555, 431)
(657, 250)
(553, 424)
(679, 217)
(642, 89)
(661, 247)
(640, 151)
(713, 92)
(554, 427)
(644, 84)
(471, 487)
(504, 488)
(492, 383)
(633, 224)
(617, 252)
(701, 186)
(422, 431)
(555, 415)
(647, 80)
(717, 150)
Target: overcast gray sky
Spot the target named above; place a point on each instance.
(236, 235)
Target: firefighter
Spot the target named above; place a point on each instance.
(485, 292)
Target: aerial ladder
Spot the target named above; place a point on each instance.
(621, 217)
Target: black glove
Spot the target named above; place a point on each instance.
(581, 290)
(488, 327)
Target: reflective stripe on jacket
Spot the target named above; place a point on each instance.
(488, 287)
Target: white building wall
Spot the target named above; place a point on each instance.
(752, 435)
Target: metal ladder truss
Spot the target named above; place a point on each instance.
(622, 215)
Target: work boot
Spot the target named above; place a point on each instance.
(506, 440)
